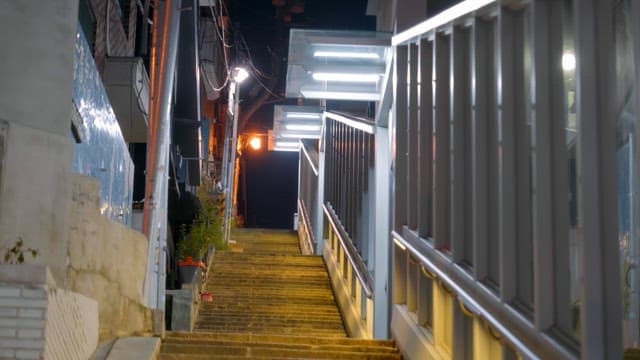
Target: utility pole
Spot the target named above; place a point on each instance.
(163, 64)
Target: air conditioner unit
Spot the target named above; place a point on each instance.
(127, 85)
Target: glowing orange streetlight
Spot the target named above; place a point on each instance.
(255, 143)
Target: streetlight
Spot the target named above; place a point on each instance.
(238, 75)
(255, 143)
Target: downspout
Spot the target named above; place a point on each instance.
(163, 62)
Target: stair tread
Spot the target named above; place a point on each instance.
(270, 302)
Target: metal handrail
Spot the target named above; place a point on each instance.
(307, 223)
(314, 166)
(349, 250)
(463, 292)
(453, 13)
(360, 123)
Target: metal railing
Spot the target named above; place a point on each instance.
(490, 99)
(308, 197)
(348, 144)
(356, 265)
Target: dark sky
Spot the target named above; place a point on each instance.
(271, 178)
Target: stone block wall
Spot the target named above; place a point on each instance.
(37, 320)
(107, 262)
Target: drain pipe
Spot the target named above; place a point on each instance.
(163, 60)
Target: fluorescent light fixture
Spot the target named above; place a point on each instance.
(287, 144)
(277, 148)
(346, 55)
(443, 18)
(339, 95)
(300, 135)
(568, 61)
(352, 123)
(296, 115)
(344, 77)
(300, 127)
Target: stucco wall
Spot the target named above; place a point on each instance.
(107, 262)
(35, 193)
(37, 151)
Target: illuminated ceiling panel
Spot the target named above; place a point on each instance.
(292, 123)
(339, 65)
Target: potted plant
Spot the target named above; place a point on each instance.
(190, 253)
(204, 235)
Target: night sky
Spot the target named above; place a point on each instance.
(268, 186)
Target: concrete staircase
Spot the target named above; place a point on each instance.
(270, 302)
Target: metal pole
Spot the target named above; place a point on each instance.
(163, 64)
(235, 90)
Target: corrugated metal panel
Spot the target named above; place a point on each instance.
(103, 153)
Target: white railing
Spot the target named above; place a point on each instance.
(492, 100)
(348, 152)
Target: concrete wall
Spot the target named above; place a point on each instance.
(37, 320)
(107, 262)
(36, 77)
(36, 156)
(32, 206)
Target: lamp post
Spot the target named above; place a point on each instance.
(229, 157)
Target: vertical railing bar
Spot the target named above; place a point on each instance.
(425, 140)
(506, 154)
(441, 134)
(355, 192)
(549, 164)
(602, 305)
(524, 262)
(400, 168)
(412, 138)
(479, 145)
(459, 118)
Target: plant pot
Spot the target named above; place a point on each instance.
(187, 269)
(206, 296)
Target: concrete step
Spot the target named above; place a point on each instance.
(265, 295)
(275, 338)
(201, 351)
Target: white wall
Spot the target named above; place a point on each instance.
(35, 108)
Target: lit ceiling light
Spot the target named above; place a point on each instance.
(303, 116)
(568, 61)
(240, 74)
(287, 144)
(299, 127)
(339, 95)
(346, 55)
(255, 143)
(300, 136)
(346, 77)
(277, 148)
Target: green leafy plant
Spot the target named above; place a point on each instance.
(16, 254)
(206, 229)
